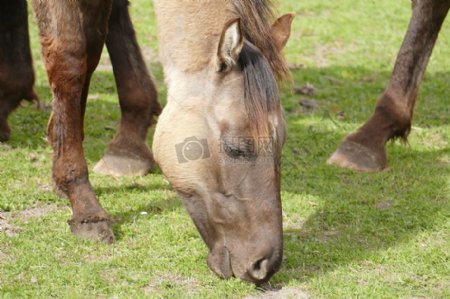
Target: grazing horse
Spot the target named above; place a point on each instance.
(364, 149)
(219, 138)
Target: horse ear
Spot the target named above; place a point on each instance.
(230, 46)
(281, 30)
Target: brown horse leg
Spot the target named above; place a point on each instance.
(16, 71)
(72, 36)
(128, 153)
(364, 150)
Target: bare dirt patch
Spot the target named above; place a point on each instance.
(328, 235)
(37, 211)
(281, 293)
(167, 281)
(23, 216)
(384, 205)
(7, 228)
(435, 141)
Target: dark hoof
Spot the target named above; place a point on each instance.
(355, 156)
(93, 230)
(117, 165)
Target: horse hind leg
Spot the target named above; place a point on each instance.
(16, 71)
(364, 150)
(128, 153)
(71, 51)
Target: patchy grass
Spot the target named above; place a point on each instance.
(346, 234)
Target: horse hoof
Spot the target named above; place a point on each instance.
(116, 165)
(94, 231)
(357, 157)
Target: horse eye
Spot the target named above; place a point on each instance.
(240, 149)
(235, 152)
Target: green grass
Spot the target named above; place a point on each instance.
(347, 234)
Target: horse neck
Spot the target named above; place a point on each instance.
(189, 31)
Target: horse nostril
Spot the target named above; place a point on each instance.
(259, 270)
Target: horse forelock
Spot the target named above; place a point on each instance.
(261, 90)
(262, 64)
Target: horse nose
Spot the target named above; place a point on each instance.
(265, 266)
(258, 270)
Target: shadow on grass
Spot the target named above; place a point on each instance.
(151, 209)
(152, 187)
(356, 214)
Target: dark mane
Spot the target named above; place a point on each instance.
(261, 62)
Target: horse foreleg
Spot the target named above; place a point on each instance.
(128, 153)
(16, 71)
(72, 35)
(364, 150)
